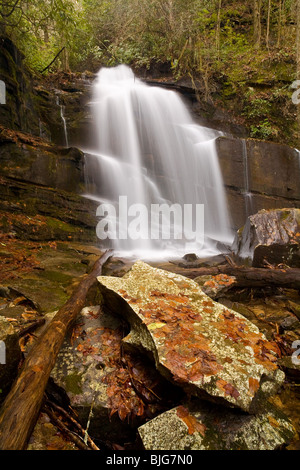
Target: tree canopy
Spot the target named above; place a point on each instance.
(189, 34)
(238, 42)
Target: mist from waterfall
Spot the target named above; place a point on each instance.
(148, 148)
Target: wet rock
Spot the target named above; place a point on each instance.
(20, 111)
(10, 356)
(189, 257)
(206, 348)
(271, 237)
(204, 427)
(33, 160)
(81, 368)
(122, 391)
(42, 213)
(273, 176)
(291, 366)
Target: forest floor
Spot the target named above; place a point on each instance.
(38, 277)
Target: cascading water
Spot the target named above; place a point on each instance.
(62, 115)
(247, 193)
(149, 152)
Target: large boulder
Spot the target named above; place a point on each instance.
(206, 348)
(201, 426)
(272, 237)
(81, 367)
(120, 389)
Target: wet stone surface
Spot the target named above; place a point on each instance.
(202, 426)
(122, 390)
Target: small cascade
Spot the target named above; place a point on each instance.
(248, 197)
(298, 154)
(62, 115)
(149, 153)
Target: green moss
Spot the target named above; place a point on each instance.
(73, 383)
(56, 276)
(60, 225)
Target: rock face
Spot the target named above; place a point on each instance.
(206, 427)
(31, 159)
(258, 175)
(20, 112)
(271, 236)
(206, 348)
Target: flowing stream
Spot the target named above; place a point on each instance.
(157, 168)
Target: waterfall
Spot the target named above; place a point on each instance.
(150, 153)
(247, 193)
(62, 115)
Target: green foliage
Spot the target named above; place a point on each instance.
(263, 131)
(192, 35)
(257, 107)
(196, 38)
(41, 28)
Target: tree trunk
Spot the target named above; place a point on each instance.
(257, 22)
(279, 23)
(249, 277)
(218, 30)
(268, 23)
(21, 407)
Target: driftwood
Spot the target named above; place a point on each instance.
(65, 430)
(50, 405)
(21, 407)
(249, 277)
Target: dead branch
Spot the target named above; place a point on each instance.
(21, 407)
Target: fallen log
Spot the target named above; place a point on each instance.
(248, 277)
(21, 407)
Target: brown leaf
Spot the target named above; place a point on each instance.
(192, 423)
(253, 385)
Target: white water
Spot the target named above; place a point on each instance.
(247, 193)
(62, 115)
(149, 149)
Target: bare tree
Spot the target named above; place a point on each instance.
(257, 22)
(268, 23)
(218, 29)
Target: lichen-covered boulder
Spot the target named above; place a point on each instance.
(206, 348)
(121, 389)
(271, 236)
(202, 426)
(83, 364)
